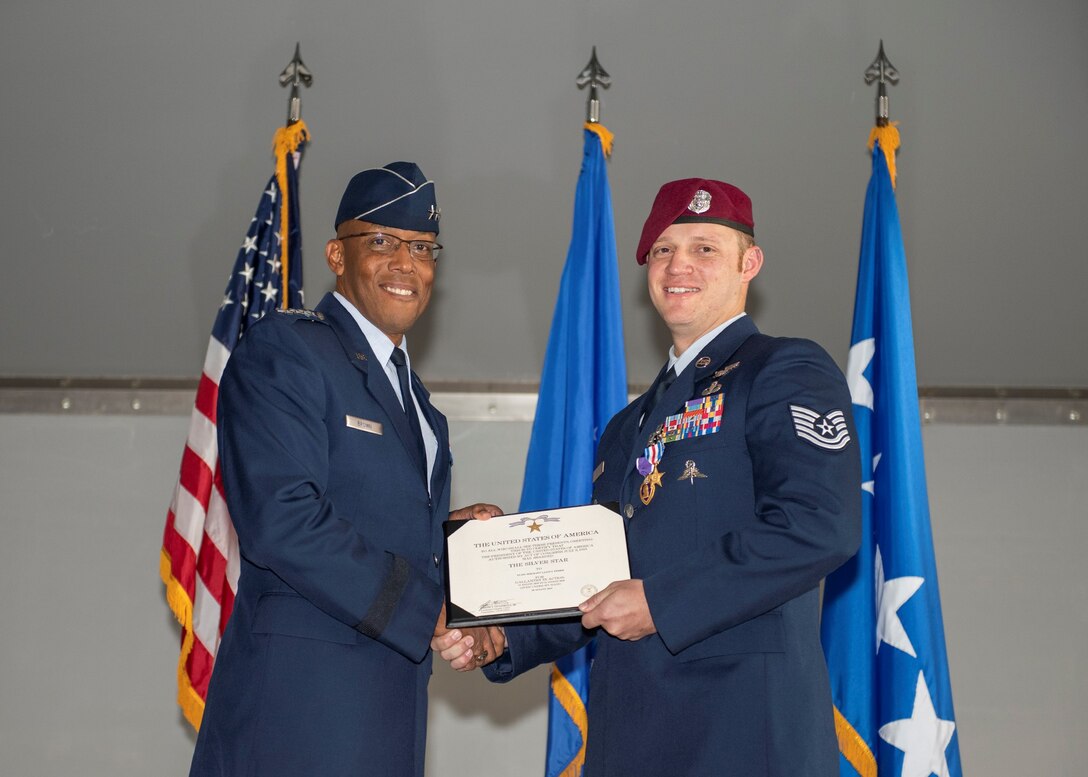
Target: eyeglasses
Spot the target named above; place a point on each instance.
(387, 245)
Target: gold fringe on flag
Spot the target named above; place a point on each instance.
(284, 144)
(571, 701)
(888, 136)
(853, 748)
(603, 133)
(192, 706)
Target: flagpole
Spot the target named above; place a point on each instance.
(883, 72)
(583, 384)
(288, 142)
(884, 131)
(882, 628)
(593, 75)
(199, 559)
(294, 75)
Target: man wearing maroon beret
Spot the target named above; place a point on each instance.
(739, 480)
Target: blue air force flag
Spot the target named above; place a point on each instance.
(583, 384)
(882, 628)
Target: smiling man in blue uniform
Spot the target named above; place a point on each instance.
(739, 481)
(337, 474)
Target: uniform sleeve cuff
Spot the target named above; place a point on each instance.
(405, 612)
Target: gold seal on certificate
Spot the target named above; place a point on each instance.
(531, 566)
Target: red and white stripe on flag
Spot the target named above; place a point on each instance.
(199, 562)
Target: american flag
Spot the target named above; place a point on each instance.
(199, 559)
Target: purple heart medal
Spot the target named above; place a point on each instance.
(652, 477)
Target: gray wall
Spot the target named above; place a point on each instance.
(137, 141)
(89, 654)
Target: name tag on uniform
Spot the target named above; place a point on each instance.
(363, 425)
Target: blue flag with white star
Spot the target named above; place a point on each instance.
(882, 628)
(583, 384)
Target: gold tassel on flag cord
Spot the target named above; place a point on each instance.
(853, 748)
(192, 706)
(284, 144)
(574, 706)
(603, 133)
(888, 136)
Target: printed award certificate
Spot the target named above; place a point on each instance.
(531, 566)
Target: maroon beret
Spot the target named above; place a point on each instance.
(696, 200)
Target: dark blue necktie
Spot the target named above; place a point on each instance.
(653, 396)
(401, 363)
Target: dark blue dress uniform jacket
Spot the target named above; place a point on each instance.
(734, 681)
(324, 665)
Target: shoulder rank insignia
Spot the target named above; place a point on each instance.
(827, 431)
(302, 313)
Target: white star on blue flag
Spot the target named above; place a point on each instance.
(895, 706)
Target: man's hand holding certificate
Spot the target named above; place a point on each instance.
(532, 566)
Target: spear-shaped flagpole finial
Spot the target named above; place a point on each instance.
(294, 74)
(593, 75)
(882, 71)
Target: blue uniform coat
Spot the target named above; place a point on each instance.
(324, 665)
(731, 549)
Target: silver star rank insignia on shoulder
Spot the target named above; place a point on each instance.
(311, 314)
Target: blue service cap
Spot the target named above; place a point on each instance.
(397, 195)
